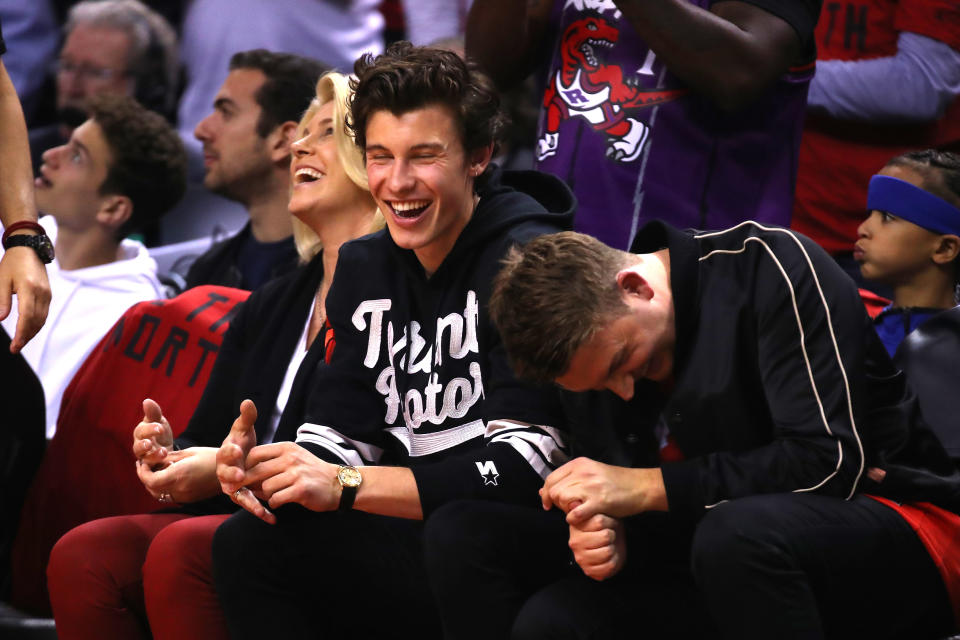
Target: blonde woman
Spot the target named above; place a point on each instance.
(114, 577)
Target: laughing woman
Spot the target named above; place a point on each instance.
(133, 576)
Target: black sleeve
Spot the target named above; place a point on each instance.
(3, 45)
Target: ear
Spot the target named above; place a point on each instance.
(280, 139)
(479, 159)
(114, 211)
(948, 247)
(632, 282)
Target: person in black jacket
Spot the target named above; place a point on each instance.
(269, 353)
(726, 489)
(418, 405)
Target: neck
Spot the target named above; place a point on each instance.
(342, 227)
(934, 289)
(89, 248)
(267, 206)
(433, 256)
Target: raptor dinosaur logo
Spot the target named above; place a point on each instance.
(585, 87)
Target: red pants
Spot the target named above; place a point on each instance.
(108, 577)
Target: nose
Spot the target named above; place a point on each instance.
(863, 231)
(622, 386)
(299, 147)
(401, 179)
(51, 156)
(202, 131)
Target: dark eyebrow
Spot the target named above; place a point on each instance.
(220, 103)
(618, 360)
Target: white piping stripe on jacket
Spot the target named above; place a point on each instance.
(331, 440)
(422, 444)
(833, 338)
(528, 443)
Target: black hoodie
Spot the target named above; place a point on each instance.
(419, 376)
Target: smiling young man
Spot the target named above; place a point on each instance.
(417, 405)
(246, 154)
(724, 490)
(122, 169)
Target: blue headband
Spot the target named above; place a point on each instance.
(913, 204)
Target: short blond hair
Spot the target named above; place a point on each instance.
(333, 87)
(551, 296)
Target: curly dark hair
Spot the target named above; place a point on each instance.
(148, 163)
(288, 89)
(406, 78)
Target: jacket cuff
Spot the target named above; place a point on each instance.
(685, 495)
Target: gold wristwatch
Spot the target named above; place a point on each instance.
(350, 480)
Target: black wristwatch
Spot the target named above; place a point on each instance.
(39, 243)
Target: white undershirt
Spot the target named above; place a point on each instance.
(299, 353)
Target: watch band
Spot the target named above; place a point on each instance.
(347, 496)
(18, 226)
(40, 244)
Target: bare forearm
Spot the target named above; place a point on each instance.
(729, 54)
(16, 175)
(389, 491)
(503, 36)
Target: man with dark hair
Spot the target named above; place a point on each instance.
(728, 490)
(121, 170)
(416, 405)
(246, 154)
(117, 47)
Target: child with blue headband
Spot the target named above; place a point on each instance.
(911, 239)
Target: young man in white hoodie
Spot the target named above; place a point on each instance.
(121, 169)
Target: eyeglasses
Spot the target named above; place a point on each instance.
(87, 72)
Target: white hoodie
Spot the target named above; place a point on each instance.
(85, 303)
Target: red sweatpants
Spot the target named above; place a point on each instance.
(109, 576)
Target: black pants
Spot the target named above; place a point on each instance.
(776, 566)
(322, 575)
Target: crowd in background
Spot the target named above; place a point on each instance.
(171, 142)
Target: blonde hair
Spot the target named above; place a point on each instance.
(333, 87)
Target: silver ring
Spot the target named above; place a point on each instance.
(165, 497)
(236, 494)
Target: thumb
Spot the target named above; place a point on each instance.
(243, 425)
(151, 411)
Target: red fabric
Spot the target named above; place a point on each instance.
(837, 158)
(939, 530)
(96, 576)
(178, 582)
(873, 303)
(162, 350)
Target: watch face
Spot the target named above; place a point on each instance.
(349, 476)
(44, 249)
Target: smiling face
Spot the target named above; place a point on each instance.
(892, 250)
(320, 183)
(234, 155)
(635, 344)
(71, 176)
(422, 179)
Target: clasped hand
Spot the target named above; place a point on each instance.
(278, 473)
(595, 496)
